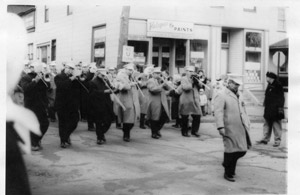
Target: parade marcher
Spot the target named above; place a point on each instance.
(128, 96)
(175, 102)
(203, 78)
(158, 111)
(189, 102)
(143, 98)
(100, 100)
(35, 89)
(273, 113)
(52, 91)
(83, 92)
(233, 124)
(67, 103)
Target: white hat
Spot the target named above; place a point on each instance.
(190, 68)
(44, 65)
(157, 70)
(129, 66)
(111, 68)
(93, 67)
(201, 90)
(102, 70)
(70, 64)
(84, 64)
(176, 77)
(236, 78)
(53, 63)
(38, 66)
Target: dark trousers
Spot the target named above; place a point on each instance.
(142, 120)
(51, 112)
(101, 129)
(157, 125)
(67, 123)
(42, 117)
(126, 129)
(185, 123)
(230, 160)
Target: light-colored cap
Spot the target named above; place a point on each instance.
(44, 65)
(190, 68)
(70, 64)
(129, 66)
(236, 78)
(157, 70)
(176, 77)
(148, 70)
(53, 63)
(111, 68)
(84, 64)
(102, 70)
(201, 90)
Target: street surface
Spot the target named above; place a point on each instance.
(171, 165)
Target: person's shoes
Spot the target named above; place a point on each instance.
(100, 141)
(154, 136)
(69, 142)
(63, 145)
(91, 129)
(158, 134)
(143, 127)
(262, 142)
(276, 144)
(228, 178)
(196, 134)
(186, 135)
(35, 148)
(126, 139)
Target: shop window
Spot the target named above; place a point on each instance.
(180, 54)
(198, 50)
(69, 10)
(253, 39)
(46, 14)
(53, 50)
(225, 38)
(98, 45)
(30, 51)
(140, 53)
(29, 21)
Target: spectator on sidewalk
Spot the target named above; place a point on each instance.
(233, 125)
(203, 102)
(273, 113)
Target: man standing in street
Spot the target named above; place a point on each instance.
(158, 111)
(274, 102)
(233, 124)
(67, 103)
(35, 98)
(102, 112)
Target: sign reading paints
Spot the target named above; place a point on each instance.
(170, 29)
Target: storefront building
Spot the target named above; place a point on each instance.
(218, 40)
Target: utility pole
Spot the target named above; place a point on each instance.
(123, 34)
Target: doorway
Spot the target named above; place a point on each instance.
(161, 53)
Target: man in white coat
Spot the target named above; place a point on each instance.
(233, 124)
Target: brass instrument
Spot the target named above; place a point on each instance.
(133, 79)
(78, 74)
(198, 79)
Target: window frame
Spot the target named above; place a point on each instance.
(69, 10)
(46, 14)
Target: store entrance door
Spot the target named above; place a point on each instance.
(161, 53)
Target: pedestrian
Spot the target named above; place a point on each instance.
(189, 102)
(100, 100)
(233, 125)
(273, 113)
(209, 93)
(35, 89)
(158, 112)
(67, 103)
(203, 102)
(128, 96)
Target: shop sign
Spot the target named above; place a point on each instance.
(128, 53)
(170, 29)
(197, 54)
(139, 58)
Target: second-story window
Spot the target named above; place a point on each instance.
(46, 14)
(69, 10)
(250, 9)
(30, 51)
(281, 19)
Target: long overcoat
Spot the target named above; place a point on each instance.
(274, 99)
(189, 101)
(128, 96)
(101, 103)
(157, 99)
(144, 98)
(230, 113)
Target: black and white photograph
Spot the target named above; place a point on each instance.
(149, 98)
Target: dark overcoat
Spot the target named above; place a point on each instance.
(274, 99)
(101, 103)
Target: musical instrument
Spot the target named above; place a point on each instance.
(136, 83)
(193, 76)
(78, 75)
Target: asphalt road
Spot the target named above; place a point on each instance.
(170, 165)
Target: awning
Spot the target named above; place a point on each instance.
(283, 44)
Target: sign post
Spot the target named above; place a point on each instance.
(128, 54)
